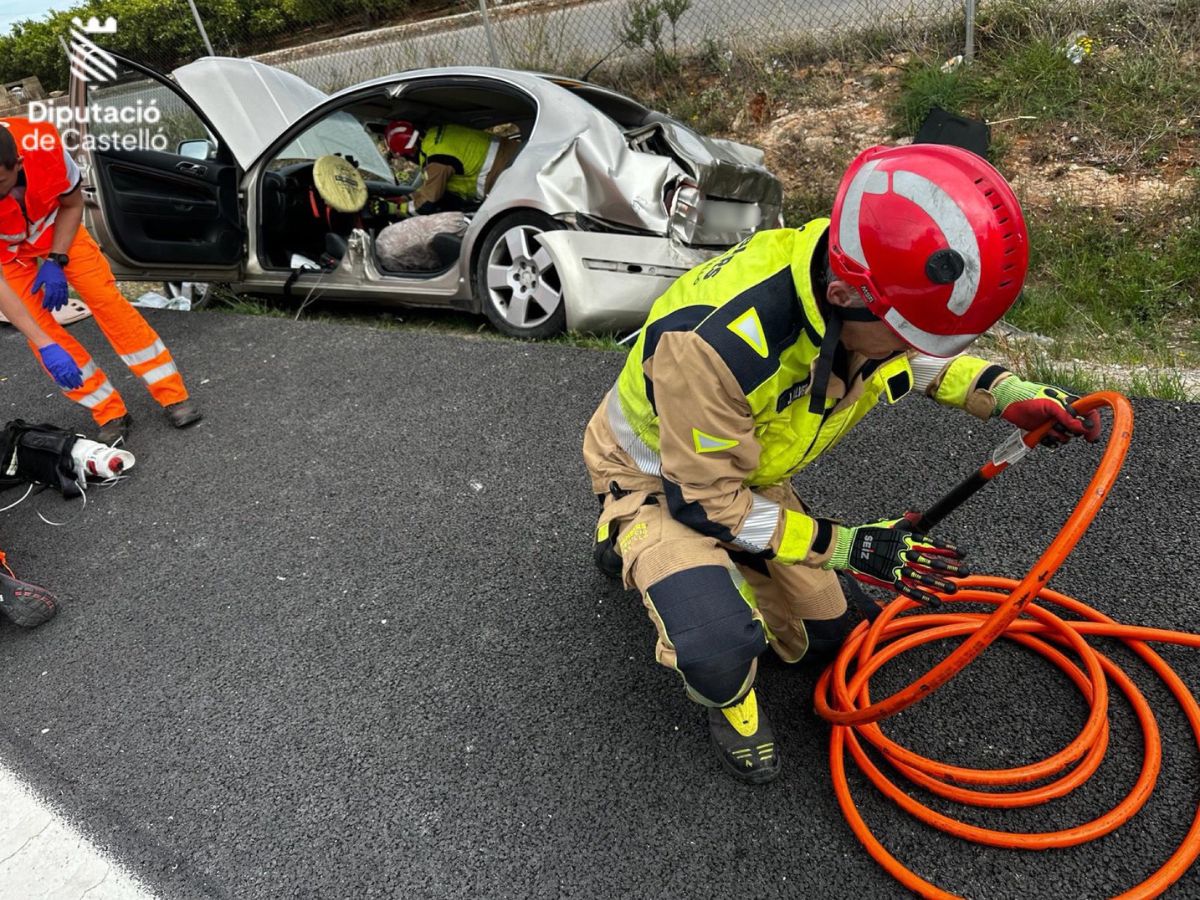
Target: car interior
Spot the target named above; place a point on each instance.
(297, 223)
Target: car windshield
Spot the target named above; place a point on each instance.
(343, 134)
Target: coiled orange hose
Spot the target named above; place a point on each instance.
(844, 698)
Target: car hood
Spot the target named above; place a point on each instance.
(268, 100)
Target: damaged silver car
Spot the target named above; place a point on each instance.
(605, 203)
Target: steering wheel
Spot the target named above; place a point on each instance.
(340, 184)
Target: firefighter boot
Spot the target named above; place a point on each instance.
(744, 740)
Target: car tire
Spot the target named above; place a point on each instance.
(516, 281)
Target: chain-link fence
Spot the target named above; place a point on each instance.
(577, 38)
(334, 43)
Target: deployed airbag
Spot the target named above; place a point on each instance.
(407, 245)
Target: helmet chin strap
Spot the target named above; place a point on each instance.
(854, 314)
(837, 315)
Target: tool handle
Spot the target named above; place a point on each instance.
(1012, 449)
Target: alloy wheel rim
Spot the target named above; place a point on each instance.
(522, 283)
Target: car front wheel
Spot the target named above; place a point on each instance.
(516, 279)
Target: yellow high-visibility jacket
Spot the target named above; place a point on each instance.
(713, 400)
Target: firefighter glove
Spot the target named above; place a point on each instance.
(50, 276)
(380, 208)
(61, 367)
(891, 555)
(1029, 405)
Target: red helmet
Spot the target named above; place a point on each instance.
(933, 239)
(402, 138)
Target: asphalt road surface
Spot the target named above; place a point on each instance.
(344, 639)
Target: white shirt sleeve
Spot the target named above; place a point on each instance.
(72, 172)
(926, 368)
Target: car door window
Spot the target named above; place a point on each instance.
(133, 112)
(163, 188)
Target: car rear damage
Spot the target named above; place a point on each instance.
(725, 193)
(652, 202)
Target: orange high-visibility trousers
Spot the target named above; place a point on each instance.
(131, 336)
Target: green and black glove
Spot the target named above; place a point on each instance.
(1029, 405)
(891, 555)
(379, 208)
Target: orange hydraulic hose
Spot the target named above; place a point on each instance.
(843, 697)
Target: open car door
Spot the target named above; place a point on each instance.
(160, 186)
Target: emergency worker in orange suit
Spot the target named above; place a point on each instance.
(44, 248)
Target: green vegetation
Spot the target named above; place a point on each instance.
(1119, 78)
(1161, 381)
(1099, 273)
(644, 27)
(1115, 273)
(1112, 279)
(164, 34)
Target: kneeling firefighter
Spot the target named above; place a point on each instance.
(755, 363)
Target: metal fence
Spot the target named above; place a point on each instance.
(573, 38)
(334, 43)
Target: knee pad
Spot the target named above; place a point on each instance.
(825, 636)
(712, 628)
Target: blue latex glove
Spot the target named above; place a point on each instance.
(60, 365)
(51, 277)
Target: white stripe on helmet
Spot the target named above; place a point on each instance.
(950, 219)
(396, 130)
(867, 181)
(927, 342)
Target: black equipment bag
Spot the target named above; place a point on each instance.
(40, 454)
(941, 127)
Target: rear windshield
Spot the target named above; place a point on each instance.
(625, 112)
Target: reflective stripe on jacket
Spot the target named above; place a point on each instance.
(30, 232)
(473, 150)
(713, 398)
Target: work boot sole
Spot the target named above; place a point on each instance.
(26, 604)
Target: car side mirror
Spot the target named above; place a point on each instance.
(196, 149)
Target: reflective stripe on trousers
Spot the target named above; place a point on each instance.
(145, 355)
(154, 376)
(759, 526)
(122, 324)
(149, 354)
(94, 398)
